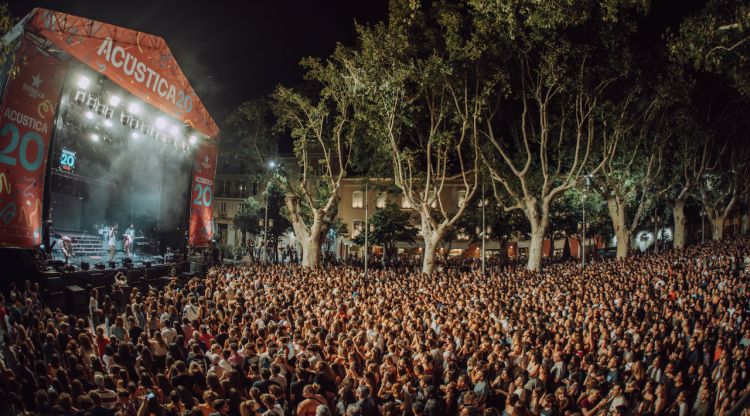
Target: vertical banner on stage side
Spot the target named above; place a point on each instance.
(202, 195)
(27, 114)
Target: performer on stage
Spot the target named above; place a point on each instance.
(112, 242)
(128, 244)
(131, 231)
(67, 248)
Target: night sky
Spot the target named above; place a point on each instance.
(232, 51)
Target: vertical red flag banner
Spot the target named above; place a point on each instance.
(27, 117)
(202, 195)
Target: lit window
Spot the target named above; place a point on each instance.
(357, 227)
(461, 198)
(357, 199)
(223, 207)
(382, 199)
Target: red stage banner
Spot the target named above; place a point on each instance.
(28, 113)
(202, 195)
(139, 62)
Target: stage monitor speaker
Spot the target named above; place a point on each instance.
(100, 266)
(75, 298)
(112, 264)
(85, 265)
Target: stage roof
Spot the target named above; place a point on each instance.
(139, 62)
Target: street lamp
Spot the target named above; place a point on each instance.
(583, 224)
(484, 230)
(271, 165)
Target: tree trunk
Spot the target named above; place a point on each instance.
(717, 226)
(679, 240)
(535, 247)
(744, 223)
(430, 252)
(310, 253)
(617, 215)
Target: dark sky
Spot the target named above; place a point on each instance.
(232, 51)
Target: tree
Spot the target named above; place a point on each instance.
(425, 98)
(247, 137)
(716, 39)
(248, 216)
(562, 57)
(390, 225)
(320, 123)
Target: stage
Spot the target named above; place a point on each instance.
(70, 289)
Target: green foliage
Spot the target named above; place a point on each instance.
(247, 137)
(247, 217)
(390, 225)
(717, 39)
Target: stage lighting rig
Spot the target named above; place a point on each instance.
(160, 123)
(89, 115)
(134, 108)
(91, 102)
(94, 137)
(83, 82)
(114, 100)
(193, 139)
(80, 97)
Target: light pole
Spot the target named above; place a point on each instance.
(271, 165)
(367, 232)
(484, 230)
(583, 225)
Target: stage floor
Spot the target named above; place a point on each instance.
(138, 259)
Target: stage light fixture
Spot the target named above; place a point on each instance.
(174, 130)
(108, 112)
(125, 118)
(83, 82)
(91, 102)
(114, 100)
(193, 139)
(100, 108)
(80, 97)
(95, 137)
(89, 115)
(134, 123)
(134, 108)
(135, 135)
(107, 123)
(160, 123)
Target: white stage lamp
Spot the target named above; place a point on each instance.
(135, 135)
(89, 115)
(174, 130)
(160, 123)
(114, 100)
(193, 139)
(107, 123)
(95, 137)
(83, 82)
(134, 108)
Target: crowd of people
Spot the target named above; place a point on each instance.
(655, 334)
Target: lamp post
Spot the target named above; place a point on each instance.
(272, 166)
(583, 224)
(367, 232)
(484, 230)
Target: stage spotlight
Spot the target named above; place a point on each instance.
(83, 82)
(108, 112)
(114, 100)
(107, 123)
(174, 130)
(80, 97)
(134, 108)
(160, 123)
(134, 123)
(125, 118)
(91, 102)
(95, 137)
(89, 115)
(193, 139)
(135, 135)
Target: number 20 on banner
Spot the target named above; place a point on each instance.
(23, 154)
(205, 195)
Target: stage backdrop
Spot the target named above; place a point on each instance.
(28, 111)
(202, 195)
(139, 62)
